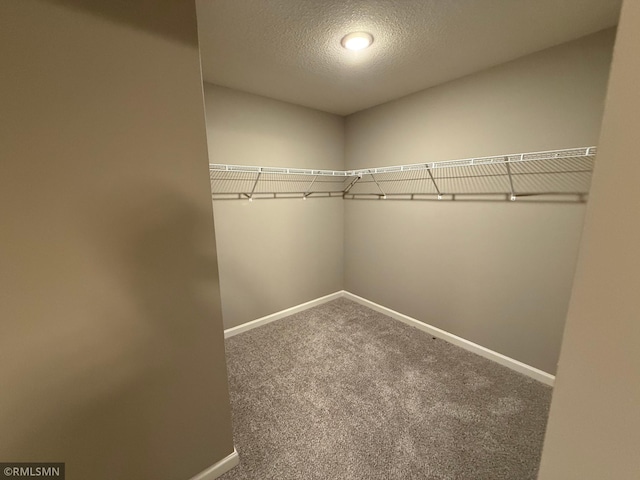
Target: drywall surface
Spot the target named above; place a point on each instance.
(274, 254)
(498, 274)
(594, 426)
(111, 343)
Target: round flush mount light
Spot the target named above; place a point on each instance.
(357, 40)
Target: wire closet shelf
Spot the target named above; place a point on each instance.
(564, 174)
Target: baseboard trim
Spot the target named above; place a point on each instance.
(217, 469)
(509, 362)
(230, 332)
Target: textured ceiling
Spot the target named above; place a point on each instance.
(290, 49)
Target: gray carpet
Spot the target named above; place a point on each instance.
(342, 392)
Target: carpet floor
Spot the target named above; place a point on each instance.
(340, 391)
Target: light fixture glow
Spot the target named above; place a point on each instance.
(357, 41)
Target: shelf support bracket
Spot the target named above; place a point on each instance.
(435, 184)
(308, 192)
(513, 193)
(384, 195)
(353, 182)
(255, 184)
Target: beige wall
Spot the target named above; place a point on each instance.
(274, 254)
(594, 427)
(112, 356)
(498, 274)
(551, 99)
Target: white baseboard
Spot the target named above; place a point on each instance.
(230, 332)
(511, 363)
(217, 469)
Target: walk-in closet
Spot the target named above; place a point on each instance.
(319, 239)
(398, 226)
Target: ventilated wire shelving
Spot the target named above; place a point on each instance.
(564, 174)
(245, 182)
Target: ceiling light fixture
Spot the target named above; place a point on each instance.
(357, 41)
